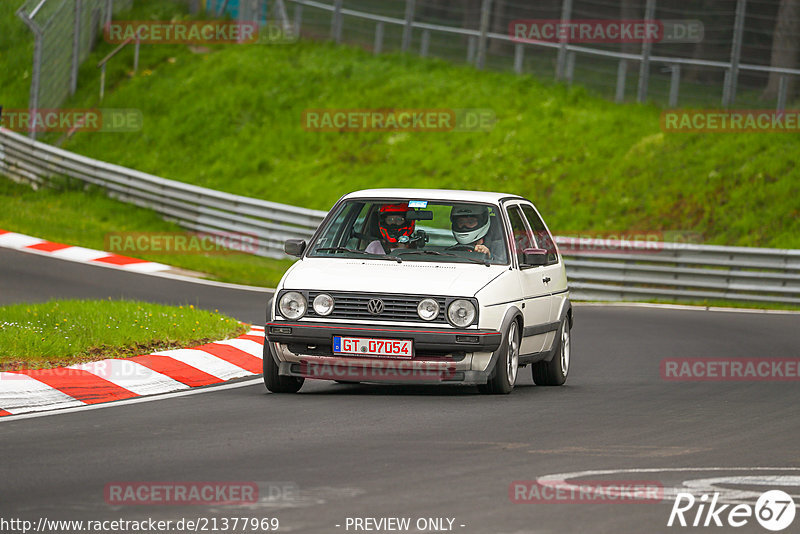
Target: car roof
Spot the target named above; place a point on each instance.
(433, 194)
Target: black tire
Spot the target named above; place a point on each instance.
(500, 383)
(554, 372)
(275, 382)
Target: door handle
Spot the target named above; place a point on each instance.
(546, 279)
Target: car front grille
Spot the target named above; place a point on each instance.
(395, 307)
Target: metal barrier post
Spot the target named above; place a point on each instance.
(298, 17)
(674, 85)
(519, 52)
(76, 48)
(377, 48)
(336, 21)
(486, 10)
(729, 91)
(622, 74)
(33, 102)
(102, 81)
(408, 26)
(426, 41)
(647, 47)
(561, 61)
(471, 44)
(136, 54)
(783, 89)
(570, 67)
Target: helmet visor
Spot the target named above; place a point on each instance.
(466, 223)
(393, 220)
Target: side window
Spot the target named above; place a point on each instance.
(339, 228)
(519, 233)
(542, 236)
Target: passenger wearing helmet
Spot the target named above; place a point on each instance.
(394, 227)
(470, 224)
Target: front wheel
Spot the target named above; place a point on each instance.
(554, 372)
(277, 383)
(505, 369)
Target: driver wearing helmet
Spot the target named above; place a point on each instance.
(394, 227)
(470, 224)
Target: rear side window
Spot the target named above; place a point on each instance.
(519, 232)
(541, 235)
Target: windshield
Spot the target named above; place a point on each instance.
(416, 230)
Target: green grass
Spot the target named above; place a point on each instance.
(61, 332)
(16, 55)
(589, 164)
(78, 217)
(228, 117)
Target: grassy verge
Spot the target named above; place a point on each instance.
(589, 164)
(79, 217)
(64, 332)
(229, 117)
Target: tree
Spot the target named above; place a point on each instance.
(785, 45)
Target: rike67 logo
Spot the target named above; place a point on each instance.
(774, 510)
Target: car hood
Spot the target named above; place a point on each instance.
(385, 276)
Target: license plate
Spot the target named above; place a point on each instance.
(366, 346)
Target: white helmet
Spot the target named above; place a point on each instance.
(467, 234)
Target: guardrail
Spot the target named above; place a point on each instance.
(640, 270)
(633, 270)
(193, 207)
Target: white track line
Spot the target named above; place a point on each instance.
(22, 394)
(19, 241)
(203, 361)
(132, 376)
(137, 400)
(250, 347)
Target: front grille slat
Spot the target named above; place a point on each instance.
(400, 308)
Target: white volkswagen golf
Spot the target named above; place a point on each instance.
(422, 286)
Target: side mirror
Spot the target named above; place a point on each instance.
(294, 247)
(534, 257)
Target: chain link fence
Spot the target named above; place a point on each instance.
(747, 55)
(64, 32)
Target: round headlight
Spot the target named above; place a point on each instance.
(292, 305)
(323, 304)
(461, 313)
(428, 309)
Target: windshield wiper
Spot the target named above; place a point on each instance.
(449, 254)
(398, 259)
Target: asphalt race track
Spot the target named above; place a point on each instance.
(350, 451)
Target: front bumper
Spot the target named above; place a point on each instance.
(440, 355)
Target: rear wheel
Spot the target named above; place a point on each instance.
(554, 372)
(506, 366)
(275, 382)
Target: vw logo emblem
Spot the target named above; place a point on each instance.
(375, 306)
